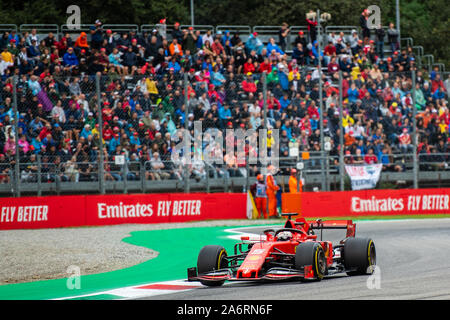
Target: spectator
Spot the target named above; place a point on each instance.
(393, 37)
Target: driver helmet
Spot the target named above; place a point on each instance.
(284, 236)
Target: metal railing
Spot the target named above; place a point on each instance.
(43, 177)
(265, 31)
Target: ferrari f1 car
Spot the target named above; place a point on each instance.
(292, 252)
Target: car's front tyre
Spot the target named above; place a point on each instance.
(211, 258)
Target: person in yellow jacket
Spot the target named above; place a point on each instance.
(272, 188)
(270, 141)
(347, 120)
(7, 56)
(151, 86)
(293, 182)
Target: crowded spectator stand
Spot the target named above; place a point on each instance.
(154, 83)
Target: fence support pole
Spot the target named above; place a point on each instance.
(39, 175)
(322, 153)
(341, 137)
(187, 152)
(247, 178)
(142, 175)
(414, 135)
(101, 167)
(16, 140)
(125, 177)
(264, 82)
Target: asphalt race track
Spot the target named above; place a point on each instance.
(413, 257)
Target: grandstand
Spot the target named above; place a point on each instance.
(134, 86)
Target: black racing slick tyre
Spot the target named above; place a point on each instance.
(359, 256)
(311, 254)
(211, 258)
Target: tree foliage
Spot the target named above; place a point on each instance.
(427, 22)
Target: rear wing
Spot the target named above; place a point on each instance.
(334, 224)
(320, 225)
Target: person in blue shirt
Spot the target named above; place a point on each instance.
(253, 43)
(70, 59)
(217, 78)
(133, 102)
(273, 46)
(199, 42)
(284, 102)
(37, 144)
(13, 36)
(224, 115)
(86, 132)
(134, 140)
(171, 127)
(36, 124)
(113, 143)
(173, 64)
(225, 37)
(180, 115)
(353, 93)
(23, 125)
(439, 94)
(287, 127)
(314, 123)
(207, 65)
(315, 53)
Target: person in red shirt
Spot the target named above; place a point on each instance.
(217, 47)
(305, 125)
(329, 89)
(436, 83)
(405, 141)
(273, 103)
(333, 67)
(265, 66)
(45, 130)
(249, 67)
(329, 51)
(445, 116)
(370, 158)
(248, 85)
(107, 132)
(313, 111)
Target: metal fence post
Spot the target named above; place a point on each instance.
(39, 175)
(322, 166)
(207, 178)
(125, 177)
(415, 164)
(186, 155)
(142, 175)
(341, 137)
(264, 82)
(247, 180)
(101, 167)
(16, 140)
(187, 187)
(264, 146)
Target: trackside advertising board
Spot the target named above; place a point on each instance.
(73, 211)
(376, 202)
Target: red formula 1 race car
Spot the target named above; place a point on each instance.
(292, 252)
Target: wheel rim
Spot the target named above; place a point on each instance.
(321, 264)
(372, 254)
(222, 260)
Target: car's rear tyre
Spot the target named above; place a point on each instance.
(311, 254)
(211, 258)
(359, 256)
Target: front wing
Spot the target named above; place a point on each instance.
(276, 274)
